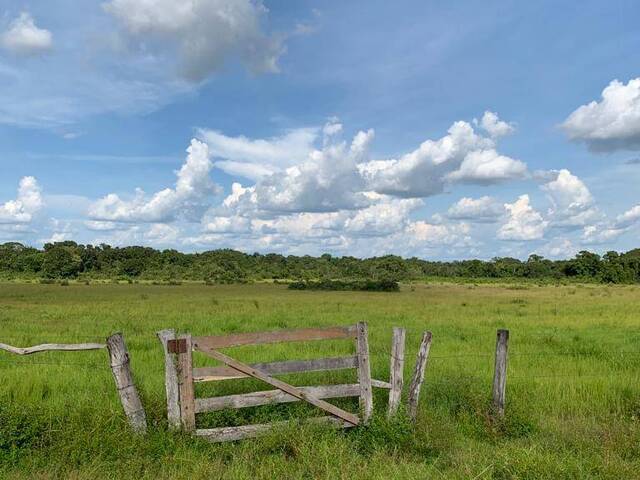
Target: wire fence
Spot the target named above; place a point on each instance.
(380, 352)
(8, 360)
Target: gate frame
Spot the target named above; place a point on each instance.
(186, 376)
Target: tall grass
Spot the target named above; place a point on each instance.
(573, 390)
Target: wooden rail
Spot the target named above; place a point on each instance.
(209, 374)
(270, 397)
(229, 434)
(257, 338)
(49, 347)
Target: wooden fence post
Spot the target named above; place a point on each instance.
(418, 374)
(170, 379)
(185, 383)
(397, 369)
(119, 361)
(364, 371)
(500, 374)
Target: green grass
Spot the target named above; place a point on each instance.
(573, 391)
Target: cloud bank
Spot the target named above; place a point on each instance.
(309, 191)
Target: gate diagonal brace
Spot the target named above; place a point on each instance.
(285, 387)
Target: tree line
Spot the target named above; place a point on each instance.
(69, 260)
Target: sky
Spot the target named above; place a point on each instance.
(441, 130)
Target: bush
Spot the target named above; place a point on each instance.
(347, 285)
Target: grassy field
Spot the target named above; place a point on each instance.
(573, 392)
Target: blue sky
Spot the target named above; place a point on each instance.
(436, 129)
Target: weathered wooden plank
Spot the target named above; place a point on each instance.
(170, 379)
(364, 371)
(230, 434)
(270, 397)
(285, 387)
(380, 384)
(397, 369)
(207, 374)
(500, 373)
(119, 361)
(186, 389)
(48, 347)
(256, 338)
(418, 374)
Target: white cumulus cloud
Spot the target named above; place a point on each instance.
(327, 180)
(488, 167)
(26, 205)
(257, 158)
(23, 37)
(482, 210)
(424, 233)
(188, 199)
(628, 218)
(612, 123)
(523, 223)
(386, 216)
(495, 127)
(600, 234)
(204, 34)
(462, 155)
(572, 203)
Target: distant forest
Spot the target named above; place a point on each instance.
(68, 260)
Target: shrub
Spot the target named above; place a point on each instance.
(347, 285)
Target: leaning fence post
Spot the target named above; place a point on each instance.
(397, 369)
(418, 374)
(170, 379)
(500, 374)
(119, 361)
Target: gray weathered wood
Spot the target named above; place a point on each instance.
(256, 338)
(380, 384)
(364, 371)
(185, 385)
(170, 379)
(285, 387)
(119, 361)
(207, 374)
(269, 397)
(47, 347)
(230, 434)
(500, 373)
(397, 369)
(418, 374)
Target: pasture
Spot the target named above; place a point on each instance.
(573, 388)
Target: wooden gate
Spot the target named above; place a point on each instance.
(186, 375)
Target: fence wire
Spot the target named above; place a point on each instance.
(374, 351)
(55, 364)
